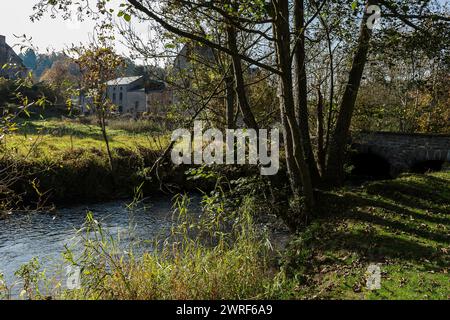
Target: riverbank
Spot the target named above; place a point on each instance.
(64, 161)
(402, 226)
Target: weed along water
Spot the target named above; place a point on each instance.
(45, 235)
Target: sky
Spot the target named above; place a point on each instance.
(54, 34)
(47, 33)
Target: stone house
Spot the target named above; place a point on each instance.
(11, 66)
(127, 94)
(135, 96)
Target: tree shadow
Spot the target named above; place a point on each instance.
(401, 237)
(413, 192)
(397, 197)
(402, 227)
(377, 247)
(36, 128)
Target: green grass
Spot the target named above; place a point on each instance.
(52, 137)
(60, 161)
(403, 225)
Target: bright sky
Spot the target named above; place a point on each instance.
(47, 33)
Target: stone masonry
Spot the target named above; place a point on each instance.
(403, 151)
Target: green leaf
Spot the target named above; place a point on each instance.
(127, 17)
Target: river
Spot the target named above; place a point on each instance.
(44, 235)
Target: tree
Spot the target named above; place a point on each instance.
(63, 76)
(286, 33)
(98, 64)
(29, 59)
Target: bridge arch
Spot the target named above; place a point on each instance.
(370, 165)
(405, 152)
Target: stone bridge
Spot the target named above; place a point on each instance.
(403, 151)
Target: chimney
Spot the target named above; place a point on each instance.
(2, 40)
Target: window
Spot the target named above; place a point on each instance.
(120, 109)
(121, 96)
(114, 97)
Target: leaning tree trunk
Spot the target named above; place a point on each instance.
(337, 148)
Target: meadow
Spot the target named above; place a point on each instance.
(63, 160)
(48, 138)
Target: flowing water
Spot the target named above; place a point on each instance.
(45, 235)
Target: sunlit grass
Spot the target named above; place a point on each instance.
(403, 225)
(47, 138)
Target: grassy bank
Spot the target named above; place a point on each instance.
(403, 225)
(66, 161)
(51, 138)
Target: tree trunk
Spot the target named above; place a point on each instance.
(102, 123)
(336, 157)
(293, 171)
(301, 91)
(229, 100)
(287, 107)
(244, 106)
(320, 132)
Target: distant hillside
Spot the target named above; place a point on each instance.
(39, 63)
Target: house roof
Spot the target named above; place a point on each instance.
(154, 85)
(123, 81)
(138, 90)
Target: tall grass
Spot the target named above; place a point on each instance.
(217, 255)
(221, 253)
(130, 125)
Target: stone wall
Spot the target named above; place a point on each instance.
(403, 151)
(15, 66)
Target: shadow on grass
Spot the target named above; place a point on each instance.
(431, 196)
(62, 131)
(389, 219)
(401, 227)
(376, 247)
(426, 193)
